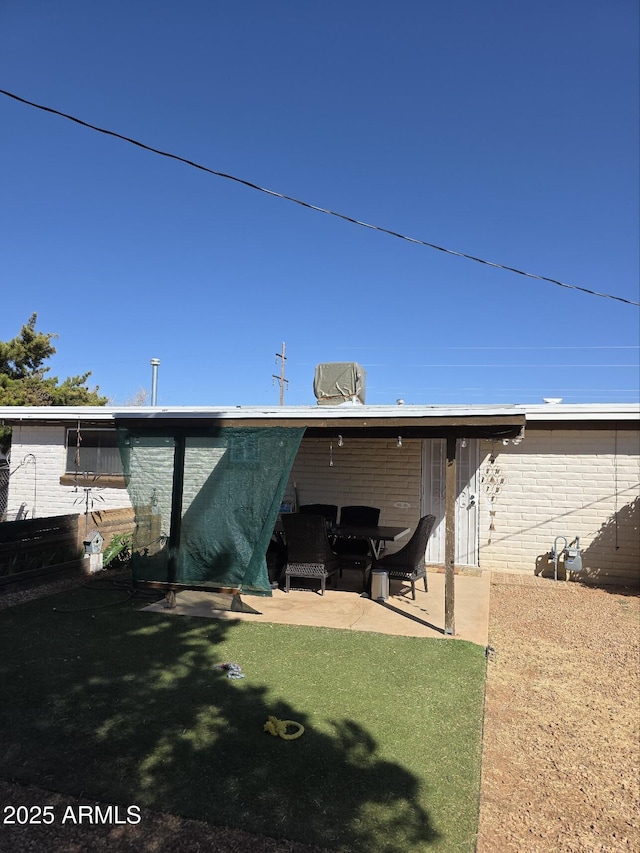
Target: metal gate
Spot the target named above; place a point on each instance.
(467, 496)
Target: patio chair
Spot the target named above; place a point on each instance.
(309, 553)
(356, 553)
(360, 516)
(276, 558)
(328, 511)
(408, 563)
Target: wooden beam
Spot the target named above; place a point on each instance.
(499, 426)
(450, 537)
(175, 525)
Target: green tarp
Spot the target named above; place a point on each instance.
(206, 504)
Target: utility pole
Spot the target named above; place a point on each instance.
(281, 380)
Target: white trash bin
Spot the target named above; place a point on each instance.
(379, 585)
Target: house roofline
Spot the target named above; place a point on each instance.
(346, 416)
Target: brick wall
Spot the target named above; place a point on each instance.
(373, 472)
(38, 459)
(566, 483)
(556, 483)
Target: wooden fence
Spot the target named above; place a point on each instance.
(37, 543)
(38, 547)
(109, 522)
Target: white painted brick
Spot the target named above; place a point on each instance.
(557, 482)
(572, 492)
(34, 486)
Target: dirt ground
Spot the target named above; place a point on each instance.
(561, 756)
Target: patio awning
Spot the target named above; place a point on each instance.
(347, 420)
(194, 558)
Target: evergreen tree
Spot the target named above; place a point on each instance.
(24, 380)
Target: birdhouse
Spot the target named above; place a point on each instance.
(93, 542)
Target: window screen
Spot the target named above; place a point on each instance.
(95, 453)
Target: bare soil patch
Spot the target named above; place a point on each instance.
(561, 756)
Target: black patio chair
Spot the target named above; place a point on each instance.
(360, 516)
(328, 511)
(408, 563)
(276, 558)
(309, 553)
(356, 553)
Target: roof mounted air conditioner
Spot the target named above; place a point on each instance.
(338, 382)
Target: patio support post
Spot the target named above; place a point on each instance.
(450, 536)
(176, 507)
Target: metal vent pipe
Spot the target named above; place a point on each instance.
(155, 363)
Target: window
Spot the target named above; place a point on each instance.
(244, 450)
(96, 452)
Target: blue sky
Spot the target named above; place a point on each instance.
(505, 130)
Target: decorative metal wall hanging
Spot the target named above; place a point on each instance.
(492, 481)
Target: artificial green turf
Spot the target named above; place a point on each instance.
(128, 707)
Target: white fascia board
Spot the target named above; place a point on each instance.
(320, 413)
(14, 414)
(535, 412)
(583, 412)
(54, 414)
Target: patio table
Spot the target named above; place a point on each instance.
(377, 535)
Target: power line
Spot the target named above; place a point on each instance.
(306, 204)
(498, 347)
(492, 389)
(514, 366)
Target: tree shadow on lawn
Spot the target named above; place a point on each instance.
(135, 712)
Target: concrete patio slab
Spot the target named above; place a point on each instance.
(344, 608)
